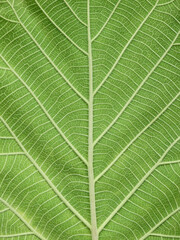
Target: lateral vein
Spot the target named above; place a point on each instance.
(163, 235)
(11, 153)
(134, 139)
(161, 222)
(61, 29)
(46, 113)
(65, 201)
(124, 49)
(22, 219)
(136, 187)
(75, 13)
(49, 59)
(16, 235)
(135, 93)
(113, 11)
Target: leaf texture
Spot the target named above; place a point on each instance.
(89, 126)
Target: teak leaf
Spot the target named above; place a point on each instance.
(90, 120)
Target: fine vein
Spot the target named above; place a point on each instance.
(22, 219)
(49, 59)
(56, 191)
(137, 186)
(46, 113)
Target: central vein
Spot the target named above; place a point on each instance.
(94, 231)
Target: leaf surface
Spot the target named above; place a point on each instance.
(89, 126)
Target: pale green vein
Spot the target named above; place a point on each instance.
(124, 49)
(73, 12)
(113, 11)
(166, 3)
(16, 235)
(50, 60)
(82, 50)
(35, 232)
(46, 178)
(6, 138)
(169, 100)
(170, 162)
(10, 154)
(135, 93)
(136, 137)
(4, 210)
(9, 20)
(4, 68)
(163, 235)
(46, 113)
(136, 188)
(94, 231)
(161, 222)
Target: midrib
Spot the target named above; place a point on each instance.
(94, 231)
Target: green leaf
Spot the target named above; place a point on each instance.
(90, 123)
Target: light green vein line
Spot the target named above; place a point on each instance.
(163, 235)
(9, 20)
(60, 29)
(113, 11)
(49, 59)
(170, 162)
(4, 210)
(161, 222)
(136, 187)
(135, 93)
(13, 153)
(47, 114)
(166, 3)
(6, 138)
(16, 235)
(75, 13)
(46, 178)
(4, 68)
(22, 219)
(94, 231)
(124, 49)
(136, 137)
